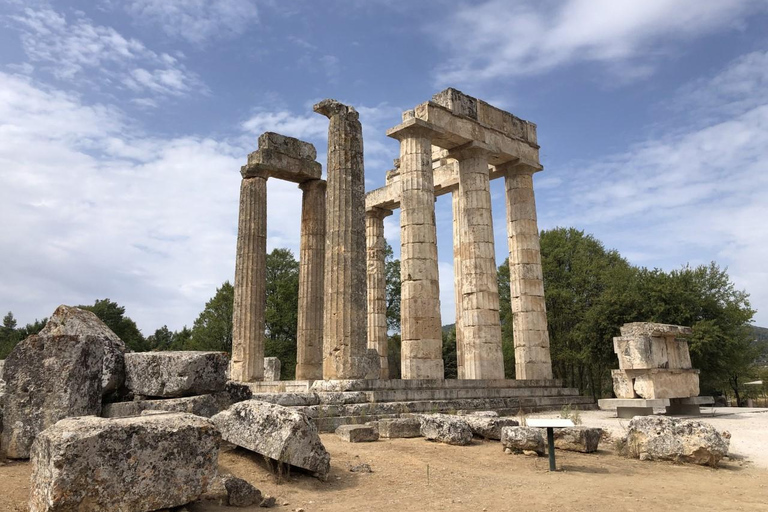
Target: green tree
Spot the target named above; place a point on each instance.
(161, 339)
(505, 316)
(392, 274)
(450, 370)
(9, 337)
(212, 329)
(113, 315)
(281, 314)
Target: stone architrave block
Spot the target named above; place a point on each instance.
(201, 405)
(67, 320)
(271, 368)
(139, 464)
(577, 439)
(520, 439)
(49, 378)
(358, 433)
(175, 374)
(489, 427)
(665, 438)
(397, 428)
(287, 145)
(623, 384)
(280, 433)
(446, 429)
(667, 384)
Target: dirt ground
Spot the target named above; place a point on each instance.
(415, 474)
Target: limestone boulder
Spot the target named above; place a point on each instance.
(202, 405)
(578, 439)
(49, 378)
(277, 432)
(358, 433)
(271, 368)
(175, 374)
(70, 321)
(488, 427)
(520, 439)
(128, 465)
(665, 438)
(397, 428)
(445, 429)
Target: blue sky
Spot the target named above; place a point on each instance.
(123, 125)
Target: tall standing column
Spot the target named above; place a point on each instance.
(250, 279)
(344, 325)
(456, 203)
(482, 354)
(529, 311)
(376, 246)
(421, 331)
(309, 333)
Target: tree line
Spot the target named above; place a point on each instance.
(590, 292)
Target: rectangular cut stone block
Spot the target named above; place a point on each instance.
(138, 464)
(202, 405)
(358, 433)
(271, 368)
(395, 428)
(279, 165)
(623, 384)
(667, 384)
(578, 439)
(175, 374)
(287, 145)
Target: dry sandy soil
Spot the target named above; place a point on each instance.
(414, 474)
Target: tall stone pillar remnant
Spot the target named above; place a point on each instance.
(481, 328)
(377, 285)
(309, 333)
(456, 204)
(421, 351)
(526, 282)
(250, 279)
(344, 325)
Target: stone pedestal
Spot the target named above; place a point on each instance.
(309, 332)
(250, 279)
(421, 329)
(344, 324)
(376, 246)
(481, 328)
(529, 312)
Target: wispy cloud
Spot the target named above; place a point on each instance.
(501, 39)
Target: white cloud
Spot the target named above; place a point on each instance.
(501, 39)
(310, 126)
(72, 49)
(196, 21)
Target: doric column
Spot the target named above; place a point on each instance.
(250, 278)
(344, 325)
(309, 333)
(376, 246)
(481, 328)
(456, 203)
(421, 331)
(529, 312)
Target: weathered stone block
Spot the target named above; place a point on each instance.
(175, 374)
(287, 145)
(71, 321)
(280, 433)
(396, 428)
(578, 439)
(667, 384)
(520, 439)
(271, 368)
(202, 405)
(48, 378)
(664, 438)
(358, 433)
(489, 427)
(128, 465)
(446, 429)
(241, 493)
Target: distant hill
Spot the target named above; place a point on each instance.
(760, 335)
(447, 328)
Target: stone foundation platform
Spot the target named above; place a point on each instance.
(331, 403)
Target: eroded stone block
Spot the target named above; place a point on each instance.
(396, 428)
(272, 368)
(446, 429)
(175, 374)
(520, 439)
(578, 439)
(358, 433)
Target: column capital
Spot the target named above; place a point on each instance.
(413, 128)
(313, 184)
(519, 166)
(253, 171)
(376, 212)
(471, 150)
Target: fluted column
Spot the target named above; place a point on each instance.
(376, 246)
(421, 330)
(529, 312)
(482, 354)
(344, 324)
(309, 332)
(456, 203)
(250, 280)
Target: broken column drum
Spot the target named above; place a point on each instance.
(376, 246)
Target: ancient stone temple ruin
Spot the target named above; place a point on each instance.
(452, 144)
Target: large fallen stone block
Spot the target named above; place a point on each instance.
(665, 438)
(397, 428)
(446, 429)
(277, 432)
(202, 405)
(577, 439)
(48, 378)
(175, 374)
(67, 320)
(358, 433)
(521, 439)
(488, 427)
(128, 465)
